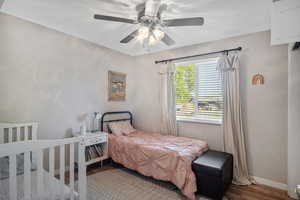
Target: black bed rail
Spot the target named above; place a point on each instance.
(115, 120)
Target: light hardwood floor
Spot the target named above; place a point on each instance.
(256, 192)
(253, 192)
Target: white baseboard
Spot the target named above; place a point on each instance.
(270, 183)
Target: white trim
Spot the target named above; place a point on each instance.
(14, 148)
(14, 125)
(270, 183)
(200, 121)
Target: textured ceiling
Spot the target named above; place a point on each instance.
(75, 17)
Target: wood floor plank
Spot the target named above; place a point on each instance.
(256, 192)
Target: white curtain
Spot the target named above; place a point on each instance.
(234, 140)
(168, 99)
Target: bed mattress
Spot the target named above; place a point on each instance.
(162, 157)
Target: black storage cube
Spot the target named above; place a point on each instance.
(214, 173)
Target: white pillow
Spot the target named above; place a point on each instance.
(121, 128)
(127, 128)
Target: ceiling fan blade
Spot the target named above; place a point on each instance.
(115, 19)
(161, 9)
(130, 37)
(196, 21)
(140, 8)
(168, 40)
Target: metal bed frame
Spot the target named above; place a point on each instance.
(129, 118)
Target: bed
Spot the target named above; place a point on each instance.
(162, 157)
(32, 169)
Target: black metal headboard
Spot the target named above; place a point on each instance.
(115, 120)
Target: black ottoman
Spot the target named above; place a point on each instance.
(214, 171)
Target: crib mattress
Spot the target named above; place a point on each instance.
(4, 187)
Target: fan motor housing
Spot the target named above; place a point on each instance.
(149, 21)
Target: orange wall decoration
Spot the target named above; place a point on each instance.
(258, 79)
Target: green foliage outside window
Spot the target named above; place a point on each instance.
(207, 101)
(185, 83)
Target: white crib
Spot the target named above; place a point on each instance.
(19, 147)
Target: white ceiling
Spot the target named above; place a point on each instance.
(223, 18)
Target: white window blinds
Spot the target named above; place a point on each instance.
(199, 91)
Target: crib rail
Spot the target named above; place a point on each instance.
(14, 132)
(39, 148)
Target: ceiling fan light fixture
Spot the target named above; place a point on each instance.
(158, 34)
(143, 33)
(152, 40)
(150, 22)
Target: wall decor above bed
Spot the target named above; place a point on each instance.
(116, 86)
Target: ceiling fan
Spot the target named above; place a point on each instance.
(151, 24)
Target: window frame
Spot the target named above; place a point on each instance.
(191, 119)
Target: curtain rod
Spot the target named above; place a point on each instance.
(205, 54)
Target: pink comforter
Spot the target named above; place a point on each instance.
(165, 158)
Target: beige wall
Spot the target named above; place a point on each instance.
(55, 79)
(294, 125)
(265, 106)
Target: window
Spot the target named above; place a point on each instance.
(199, 91)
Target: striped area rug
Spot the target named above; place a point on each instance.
(124, 184)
